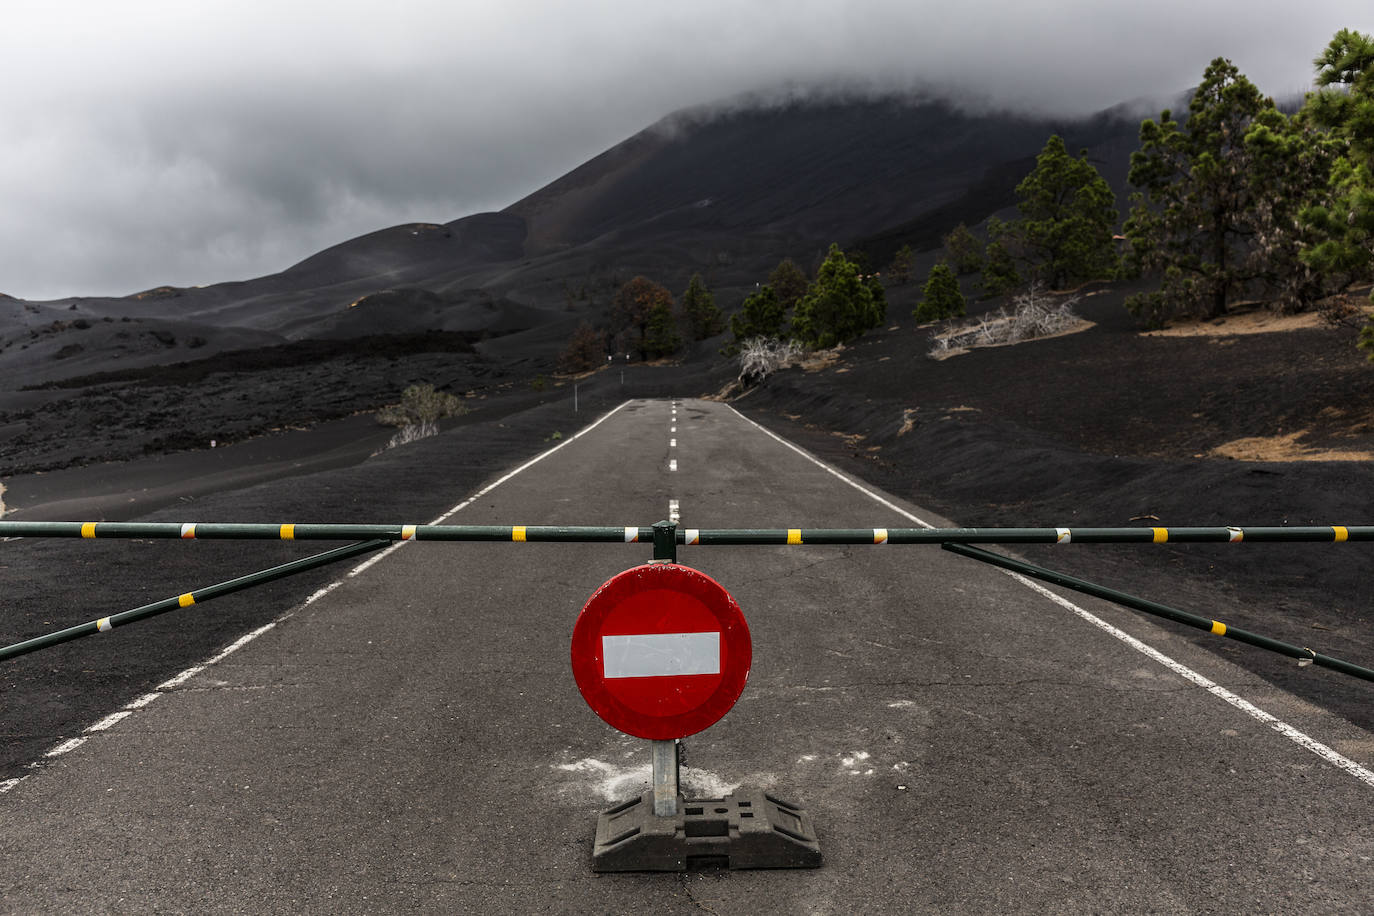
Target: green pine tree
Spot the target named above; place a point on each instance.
(1000, 275)
(900, 269)
(877, 311)
(837, 307)
(1197, 211)
(789, 282)
(1344, 223)
(1068, 214)
(962, 250)
(761, 315)
(941, 296)
(704, 318)
(661, 337)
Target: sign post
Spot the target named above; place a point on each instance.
(662, 651)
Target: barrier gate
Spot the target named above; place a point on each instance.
(661, 651)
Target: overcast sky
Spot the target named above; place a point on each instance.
(183, 142)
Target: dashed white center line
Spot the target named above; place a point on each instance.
(672, 443)
(673, 512)
(672, 464)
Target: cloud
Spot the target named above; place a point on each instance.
(152, 142)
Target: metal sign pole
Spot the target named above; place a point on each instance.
(664, 753)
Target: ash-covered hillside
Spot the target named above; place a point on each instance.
(726, 192)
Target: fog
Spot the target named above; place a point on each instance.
(150, 143)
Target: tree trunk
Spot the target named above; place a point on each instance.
(1218, 305)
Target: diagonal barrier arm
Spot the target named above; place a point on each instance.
(199, 596)
(1161, 610)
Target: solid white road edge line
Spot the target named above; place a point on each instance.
(104, 724)
(1300, 738)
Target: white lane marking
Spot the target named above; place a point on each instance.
(672, 443)
(672, 464)
(674, 511)
(1283, 728)
(112, 719)
(174, 682)
(378, 557)
(1244, 705)
(70, 744)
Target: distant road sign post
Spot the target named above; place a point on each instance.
(662, 651)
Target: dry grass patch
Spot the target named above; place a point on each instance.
(1283, 448)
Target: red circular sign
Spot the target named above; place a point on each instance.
(661, 651)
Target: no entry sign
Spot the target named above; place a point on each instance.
(661, 651)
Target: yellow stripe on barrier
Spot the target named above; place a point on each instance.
(794, 536)
(288, 532)
(1218, 628)
(88, 529)
(103, 625)
(880, 535)
(407, 532)
(1342, 533)
(186, 600)
(517, 533)
(188, 532)
(1161, 535)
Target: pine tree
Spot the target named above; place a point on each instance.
(1068, 213)
(661, 337)
(789, 282)
(837, 307)
(1000, 275)
(1345, 223)
(877, 310)
(941, 297)
(900, 269)
(1196, 212)
(962, 250)
(761, 315)
(1291, 160)
(585, 351)
(704, 318)
(631, 311)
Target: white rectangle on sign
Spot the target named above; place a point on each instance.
(660, 654)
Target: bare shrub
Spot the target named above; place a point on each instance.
(1033, 314)
(412, 433)
(420, 404)
(419, 413)
(760, 357)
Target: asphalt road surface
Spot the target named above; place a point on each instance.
(412, 738)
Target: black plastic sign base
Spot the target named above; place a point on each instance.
(746, 829)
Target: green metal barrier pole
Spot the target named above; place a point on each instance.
(688, 536)
(199, 596)
(1161, 610)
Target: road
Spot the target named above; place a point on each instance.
(412, 738)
